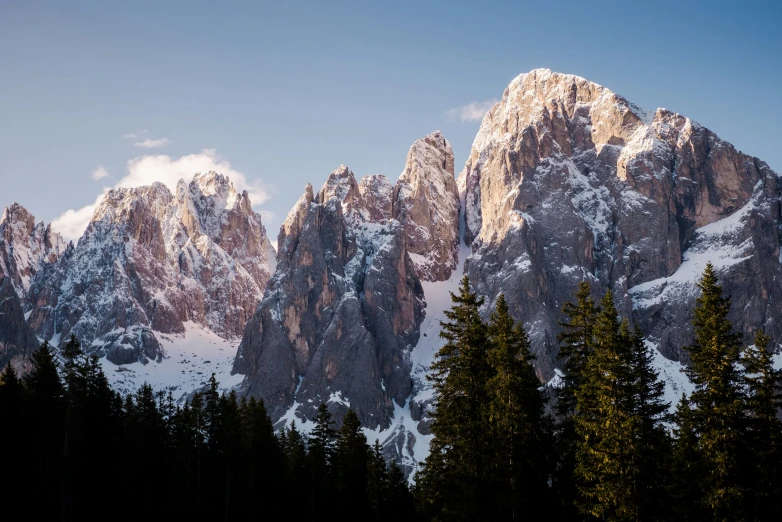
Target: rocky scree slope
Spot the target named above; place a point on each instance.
(567, 181)
(343, 309)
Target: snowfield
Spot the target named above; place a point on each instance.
(189, 361)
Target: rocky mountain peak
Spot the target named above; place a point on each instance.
(25, 248)
(151, 263)
(377, 194)
(568, 181)
(426, 202)
(341, 184)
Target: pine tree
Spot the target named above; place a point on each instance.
(377, 483)
(453, 484)
(351, 459)
(576, 343)
(688, 470)
(519, 428)
(47, 417)
(650, 413)
(603, 420)
(320, 455)
(14, 437)
(297, 476)
(399, 500)
(263, 453)
(718, 406)
(764, 473)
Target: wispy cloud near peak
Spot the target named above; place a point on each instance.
(473, 111)
(99, 173)
(152, 144)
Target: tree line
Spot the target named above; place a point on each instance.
(604, 446)
(74, 449)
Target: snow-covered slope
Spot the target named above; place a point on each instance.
(188, 361)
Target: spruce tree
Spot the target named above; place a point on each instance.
(687, 489)
(650, 413)
(47, 418)
(520, 430)
(297, 476)
(454, 481)
(377, 483)
(320, 454)
(764, 473)
(717, 401)
(399, 500)
(605, 469)
(14, 437)
(576, 343)
(263, 453)
(351, 460)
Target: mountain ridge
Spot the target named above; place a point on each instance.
(566, 181)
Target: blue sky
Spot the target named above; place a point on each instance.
(281, 94)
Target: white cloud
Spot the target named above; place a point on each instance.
(72, 223)
(152, 144)
(146, 170)
(130, 136)
(474, 111)
(99, 173)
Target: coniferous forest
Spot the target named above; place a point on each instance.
(602, 445)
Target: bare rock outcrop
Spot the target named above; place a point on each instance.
(344, 307)
(26, 247)
(17, 341)
(342, 310)
(426, 202)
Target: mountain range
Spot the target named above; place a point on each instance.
(566, 181)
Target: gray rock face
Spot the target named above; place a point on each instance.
(568, 181)
(151, 261)
(17, 341)
(342, 310)
(26, 248)
(426, 202)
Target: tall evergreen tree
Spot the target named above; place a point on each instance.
(320, 453)
(687, 489)
(297, 475)
(351, 461)
(377, 483)
(14, 435)
(622, 446)
(764, 474)
(47, 419)
(263, 453)
(520, 430)
(605, 468)
(454, 481)
(717, 401)
(649, 409)
(576, 343)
